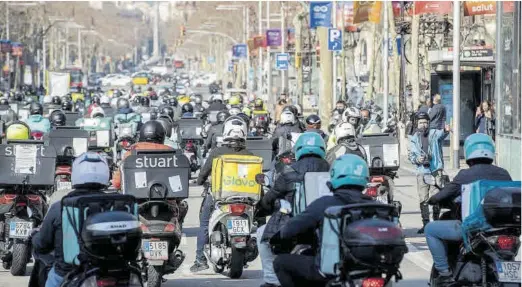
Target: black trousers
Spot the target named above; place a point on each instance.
(298, 270)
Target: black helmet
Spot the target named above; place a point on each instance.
(187, 108)
(57, 119)
(36, 109)
(18, 97)
(145, 102)
(173, 102)
(67, 98)
(152, 131)
(95, 100)
(153, 97)
(123, 103)
(167, 125)
(222, 116)
(291, 109)
(169, 111)
(422, 116)
(4, 102)
(67, 106)
(313, 120)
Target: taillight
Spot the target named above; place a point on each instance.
(170, 227)
(106, 282)
(125, 144)
(504, 242)
(37, 135)
(144, 228)
(7, 198)
(189, 145)
(371, 191)
(286, 160)
(237, 209)
(239, 239)
(377, 179)
(33, 198)
(373, 282)
(262, 118)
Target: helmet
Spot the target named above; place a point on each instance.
(96, 112)
(57, 118)
(145, 102)
(258, 103)
(47, 100)
(235, 129)
(18, 131)
(349, 169)
(422, 116)
(351, 112)
(56, 101)
(344, 130)
(234, 101)
(167, 125)
(18, 96)
(217, 97)
(152, 131)
(198, 99)
(309, 143)
(169, 111)
(184, 100)
(245, 118)
(222, 116)
(36, 109)
(287, 118)
(66, 98)
(123, 103)
(4, 102)
(291, 109)
(173, 102)
(95, 100)
(187, 108)
(479, 146)
(313, 120)
(105, 100)
(234, 111)
(67, 106)
(90, 168)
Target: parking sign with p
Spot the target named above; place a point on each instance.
(335, 39)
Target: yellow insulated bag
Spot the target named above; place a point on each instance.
(235, 175)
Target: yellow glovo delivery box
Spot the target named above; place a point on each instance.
(235, 175)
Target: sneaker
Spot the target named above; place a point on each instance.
(199, 266)
(445, 280)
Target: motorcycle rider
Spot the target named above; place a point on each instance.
(287, 125)
(215, 131)
(349, 176)
(340, 106)
(295, 111)
(187, 111)
(365, 121)
(217, 103)
(350, 115)
(426, 154)
(67, 106)
(6, 113)
(57, 119)
(479, 151)
(309, 152)
(313, 124)
(346, 143)
(36, 121)
(152, 137)
(90, 175)
(169, 112)
(198, 100)
(144, 105)
(234, 143)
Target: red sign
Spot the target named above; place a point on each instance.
(349, 26)
(259, 41)
(396, 6)
(179, 64)
(433, 7)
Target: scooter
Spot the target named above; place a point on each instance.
(232, 242)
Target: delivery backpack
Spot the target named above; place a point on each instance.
(313, 187)
(101, 227)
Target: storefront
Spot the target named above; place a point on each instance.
(507, 88)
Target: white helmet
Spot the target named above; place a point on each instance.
(114, 102)
(287, 118)
(234, 128)
(105, 100)
(351, 113)
(47, 100)
(234, 111)
(217, 97)
(344, 130)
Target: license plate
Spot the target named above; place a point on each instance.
(64, 185)
(238, 227)
(155, 250)
(508, 271)
(20, 229)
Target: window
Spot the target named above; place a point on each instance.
(508, 115)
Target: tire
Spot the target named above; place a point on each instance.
(153, 277)
(21, 255)
(237, 262)
(218, 269)
(433, 275)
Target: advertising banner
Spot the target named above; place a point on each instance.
(239, 51)
(17, 49)
(349, 26)
(5, 46)
(433, 7)
(472, 8)
(273, 37)
(365, 11)
(259, 41)
(320, 14)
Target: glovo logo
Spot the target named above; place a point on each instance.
(236, 181)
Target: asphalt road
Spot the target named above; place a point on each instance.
(414, 267)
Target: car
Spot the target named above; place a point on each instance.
(140, 78)
(95, 79)
(119, 81)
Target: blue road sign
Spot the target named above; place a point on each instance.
(335, 39)
(320, 14)
(282, 60)
(239, 51)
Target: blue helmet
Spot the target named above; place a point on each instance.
(349, 169)
(309, 143)
(479, 146)
(90, 168)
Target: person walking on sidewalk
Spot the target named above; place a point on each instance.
(437, 114)
(425, 152)
(484, 120)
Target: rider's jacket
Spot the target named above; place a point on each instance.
(206, 169)
(465, 176)
(214, 131)
(116, 176)
(38, 123)
(281, 130)
(349, 146)
(320, 132)
(435, 138)
(50, 238)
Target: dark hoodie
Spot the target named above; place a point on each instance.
(125, 111)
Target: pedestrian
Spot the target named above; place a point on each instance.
(424, 105)
(425, 153)
(484, 119)
(437, 114)
(279, 109)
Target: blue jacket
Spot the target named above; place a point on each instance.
(434, 150)
(38, 123)
(187, 116)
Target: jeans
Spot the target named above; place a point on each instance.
(438, 231)
(267, 258)
(53, 279)
(298, 270)
(207, 206)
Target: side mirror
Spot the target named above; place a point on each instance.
(261, 179)
(429, 179)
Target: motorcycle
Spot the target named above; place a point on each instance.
(488, 258)
(191, 152)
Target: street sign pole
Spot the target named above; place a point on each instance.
(334, 60)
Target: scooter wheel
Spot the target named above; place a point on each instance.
(218, 269)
